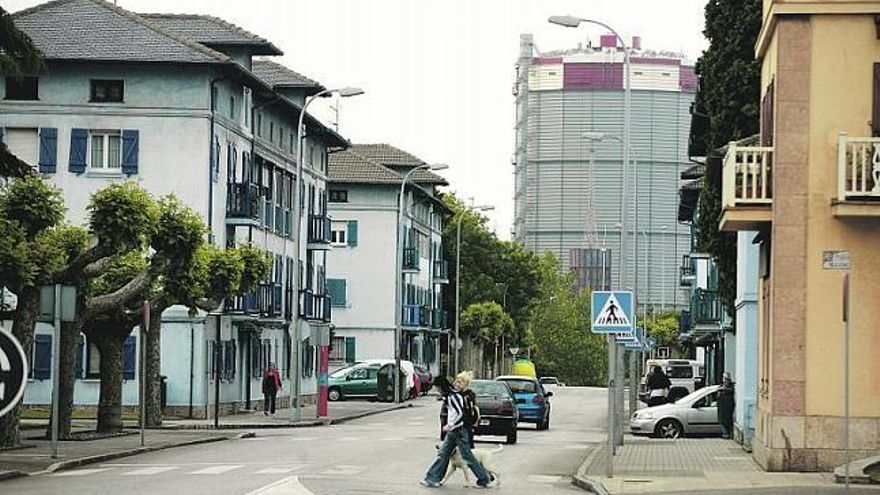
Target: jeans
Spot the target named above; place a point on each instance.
(456, 439)
(269, 403)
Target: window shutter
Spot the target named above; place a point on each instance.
(48, 150)
(78, 142)
(128, 358)
(337, 289)
(130, 145)
(875, 113)
(349, 349)
(80, 349)
(352, 233)
(42, 367)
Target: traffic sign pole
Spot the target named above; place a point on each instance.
(609, 467)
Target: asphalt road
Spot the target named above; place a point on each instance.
(382, 454)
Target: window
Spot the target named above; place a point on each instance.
(259, 124)
(338, 196)
(25, 88)
(271, 131)
(107, 91)
(105, 151)
(338, 233)
(41, 361)
(232, 107)
(292, 142)
(93, 361)
(337, 350)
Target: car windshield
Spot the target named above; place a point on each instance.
(521, 386)
(488, 388)
(689, 397)
(551, 381)
(340, 372)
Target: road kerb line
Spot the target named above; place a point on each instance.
(284, 486)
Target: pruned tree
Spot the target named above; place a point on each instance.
(484, 323)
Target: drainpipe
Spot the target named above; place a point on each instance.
(192, 356)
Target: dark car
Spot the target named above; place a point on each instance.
(498, 412)
(425, 379)
(531, 399)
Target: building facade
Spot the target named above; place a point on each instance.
(810, 187)
(183, 106)
(569, 190)
(364, 189)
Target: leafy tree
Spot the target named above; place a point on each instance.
(728, 97)
(484, 324)
(663, 328)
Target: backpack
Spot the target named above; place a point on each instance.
(471, 410)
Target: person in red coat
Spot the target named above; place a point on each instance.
(271, 386)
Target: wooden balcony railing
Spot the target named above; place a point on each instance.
(747, 176)
(858, 168)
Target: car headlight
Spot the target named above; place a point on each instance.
(645, 415)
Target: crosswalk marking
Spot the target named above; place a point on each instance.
(348, 439)
(280, 469)
(303, 439)
(541, 478)
(344, 470)
(150, 470)
(82, 472)
(216, 469)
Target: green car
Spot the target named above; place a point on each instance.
(359, 380)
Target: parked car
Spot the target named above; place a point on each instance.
(498, 411)
(695, 413)
(532, 401)
(425, 379)
(409, 373)
(359, 380)
(686, 376)
(550, 382)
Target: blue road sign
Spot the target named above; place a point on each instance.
(13, 371)
(613, 312)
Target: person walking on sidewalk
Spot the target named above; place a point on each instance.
(456, 435)
(658, 387)
(271, 386)
(725, 406)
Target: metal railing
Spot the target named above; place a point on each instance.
(319, 229)
(315, 307)
(705, 307)
(439, 318)
(414, 315)
(747, 176)
(266, 301)
(411, 258)
(441, 270)
(858, 167)
(243, 200)
(687, 272)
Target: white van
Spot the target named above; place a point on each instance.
(686, 376)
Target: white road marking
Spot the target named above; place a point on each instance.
(391, 439)
(217, 469)
(377, 424)
(82, 472)
(348, 439)
(280, 469)
(286, 486)
(344, 470)
(303, 439)
(146, 471)
(541, 478)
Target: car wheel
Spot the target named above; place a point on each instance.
(669, 428)
(511, 436)
(334, 394)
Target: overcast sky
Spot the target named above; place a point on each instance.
(437, 73)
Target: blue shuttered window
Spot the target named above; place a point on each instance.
(78, 143)
(129, 357)
(130, 145)
(41, 367)
(352, 233)
(48, 150)
(337, 288)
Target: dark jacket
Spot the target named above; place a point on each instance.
(271, 382)
(725, 404)
(658, 380)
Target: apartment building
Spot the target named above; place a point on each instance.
(184, 105)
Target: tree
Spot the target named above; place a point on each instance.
(729, 92)
(663, 328)
(484, 324)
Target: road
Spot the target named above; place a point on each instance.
(383, 454)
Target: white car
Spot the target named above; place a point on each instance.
(695, 413)
(550, 382)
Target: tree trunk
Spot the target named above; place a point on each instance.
(153, 365)
(110, 399)
(67, 377)
(23, 329)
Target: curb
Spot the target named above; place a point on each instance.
(82, 461)
(9, 475)
(581, 480)
(368, 413)
(301, 424)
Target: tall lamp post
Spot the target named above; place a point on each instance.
(458, 277)
(398, 275)
(295, 413)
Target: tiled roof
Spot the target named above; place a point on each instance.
(212, 31)
(277, 75)
(391, 156)
(350, 167)
(694, 172)
(67, 30)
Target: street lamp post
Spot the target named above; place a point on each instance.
(458, 276)
(295, 413)
(398, 275)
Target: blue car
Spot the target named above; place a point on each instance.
(532, 400)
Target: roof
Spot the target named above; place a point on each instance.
(211, 30)
(693, 172)
(279, 76)
(391, 156)
(351, 167)
(64, 30)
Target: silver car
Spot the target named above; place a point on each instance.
(694, 413)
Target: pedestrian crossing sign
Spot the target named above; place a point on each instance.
(613, 312)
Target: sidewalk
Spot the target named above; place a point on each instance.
(647, 465)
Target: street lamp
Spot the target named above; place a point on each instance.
(398, 275)
(458, 275)
(295, 413)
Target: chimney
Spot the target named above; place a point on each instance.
(636, 43)
(608, 41)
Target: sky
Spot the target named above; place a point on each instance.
(437, 74)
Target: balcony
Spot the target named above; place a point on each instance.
(411, 259)
(242, 204)
(264, 302)
(858, 177)
(441, 272)
(747, 187)
(706, 312)
(439, 319)
(687, 272)
(314, 307)
(414, 315)
(319, 232)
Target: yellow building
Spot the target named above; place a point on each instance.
(813, 186)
